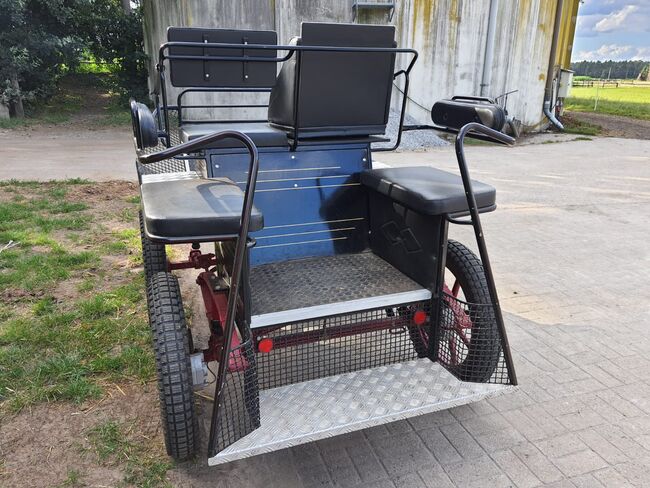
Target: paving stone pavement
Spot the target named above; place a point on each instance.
(571, 252)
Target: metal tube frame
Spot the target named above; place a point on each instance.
(240, 246)
(478, 229)
(291, 49)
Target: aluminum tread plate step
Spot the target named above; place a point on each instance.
(304, 289)
(326, 407)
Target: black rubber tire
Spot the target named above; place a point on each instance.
(485, 345)
(154, 256)
(171, 344)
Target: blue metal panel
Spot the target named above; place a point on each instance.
(312, 201)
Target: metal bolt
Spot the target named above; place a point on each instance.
(246, 76)
(207, 75)
(293, 157)
(295, 185)
(364, 160)
(216, 165)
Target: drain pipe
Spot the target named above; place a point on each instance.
(489, 48)
(548, 91)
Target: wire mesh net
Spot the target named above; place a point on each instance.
(170, 165)
(334, 345)
(238, 413)
(470, 343)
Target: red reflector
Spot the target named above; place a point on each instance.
(419, 317)
(265, 345)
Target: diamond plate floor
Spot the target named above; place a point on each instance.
(304, 412)
(314, 282)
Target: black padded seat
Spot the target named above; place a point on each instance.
(427, 190)
(262, 134)
(194, 210)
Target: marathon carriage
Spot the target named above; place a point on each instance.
(334, 299)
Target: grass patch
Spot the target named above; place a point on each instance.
(60, 108)
(575, 126)
(53, 349)
(73, 480)
(112, 443)
(627, 101)
(85, 93)
(115, 113)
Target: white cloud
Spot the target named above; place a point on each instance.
(642, 54)
(615, 20)
(600, 17)
(605, 52)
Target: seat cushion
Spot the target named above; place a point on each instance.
(194, 210)
(261, 133)
(428, 190)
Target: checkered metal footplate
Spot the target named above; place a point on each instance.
(321, 408)
(302, 283)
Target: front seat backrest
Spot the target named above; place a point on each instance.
(331, 94)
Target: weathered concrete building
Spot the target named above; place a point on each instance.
(466, 46)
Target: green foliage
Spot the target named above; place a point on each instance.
(38, 40)
(601, 69)
(114, 36)
(42, 40)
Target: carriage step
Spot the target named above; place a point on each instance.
(304, 412)
(309, 288)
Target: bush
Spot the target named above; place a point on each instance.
(41, 40)
(115, 37)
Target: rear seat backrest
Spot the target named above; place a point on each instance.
(236, 74)
(332, 94)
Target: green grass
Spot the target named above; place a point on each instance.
(575, 126)
(73, 97)
(628, 101)
(66, 350)
(74, 479)
(112, 443)
(115, 114)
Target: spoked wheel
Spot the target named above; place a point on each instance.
(469, 336)
(154, 256)
(171, 342)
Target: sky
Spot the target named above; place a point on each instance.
(612, 29)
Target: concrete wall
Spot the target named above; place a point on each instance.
(450, 36)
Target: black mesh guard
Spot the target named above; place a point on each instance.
(470, 346)
(470, 343)
(239, 413)
(170, 165)
(334, 345)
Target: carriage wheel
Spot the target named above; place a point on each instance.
(469, 335)
(171, 342)
(154, 256)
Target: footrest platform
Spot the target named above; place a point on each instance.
(309, 288)
(317, 409)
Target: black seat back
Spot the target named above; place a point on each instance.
(207, 73)
(325, 94)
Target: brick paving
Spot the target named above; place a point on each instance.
(570, 245)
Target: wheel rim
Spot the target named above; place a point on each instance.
(455, 326)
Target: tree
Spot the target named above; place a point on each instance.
(38, 42)
(114, 34)
(41, 40)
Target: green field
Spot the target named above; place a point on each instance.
(629, 101)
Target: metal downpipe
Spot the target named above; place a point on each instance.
(489, 48)
(551, 67)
